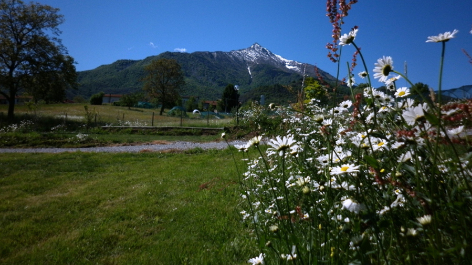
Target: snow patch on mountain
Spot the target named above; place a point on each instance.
(257, 54)
(249, 70)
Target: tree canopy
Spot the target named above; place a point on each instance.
(163, 81)
(313, 90)
(32, 58)
(230, 98)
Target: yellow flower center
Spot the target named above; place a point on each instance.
(380, 144)
(401, 93)
(345, 168)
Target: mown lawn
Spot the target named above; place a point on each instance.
(145, 208)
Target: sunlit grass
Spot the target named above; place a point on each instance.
(147, 208)
(116, 115)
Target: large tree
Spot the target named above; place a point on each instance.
(230, 98)
(32, 58)
(163, 81)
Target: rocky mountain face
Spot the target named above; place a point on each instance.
(206, 73)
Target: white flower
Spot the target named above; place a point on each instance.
(347, 39)
(391, 80)
(397, 145)
(345, 104)
(257, 260)
(405, 157)
(290, 256)
(379, 144)
(399, 201)
(442, 37)
(346, 168)
(282, 144)
(407, 103)
(327, 122)
(412, 114)
(362, 74)
(424, 220)
(324, 160)
(411, 232)
(242, 148)
(456, 131)
(402, 92)
(449, 112)
(384, 210)
(254, 141)
(383, 67)
(351, 81)
(353, 206)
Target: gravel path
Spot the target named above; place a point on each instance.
(128, 148)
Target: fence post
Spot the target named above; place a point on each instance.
(152, 123)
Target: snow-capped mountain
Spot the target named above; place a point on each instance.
(206, 73)
(256, 54)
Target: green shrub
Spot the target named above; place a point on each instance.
(97, 99)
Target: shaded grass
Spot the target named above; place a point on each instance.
(147, 208)
(35, 139)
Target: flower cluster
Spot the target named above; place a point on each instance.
(132, 123)
(24, 125)
(368, 181)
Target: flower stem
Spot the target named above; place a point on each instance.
(441, 72)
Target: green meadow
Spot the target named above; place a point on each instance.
(141, 208)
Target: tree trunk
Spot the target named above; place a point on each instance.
(11, 104)
(162, 109)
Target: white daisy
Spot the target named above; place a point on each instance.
(408, 103)
(324, 160)
(257, 260)
(443, 37)
(242, 148)
(411, 232)
(397, 145)
(351, 81)
(327, 122)
(402, 92)
(449, 112)
(405, 157)
(456, 131)
(362, 74)
(347, 39)
(383, 67)
(282, 144)
(346, 104)
(255, 141)
(343, 169)
(424, 220)
(412, 114)
(392, 80)
(379, 144)
(353, 206)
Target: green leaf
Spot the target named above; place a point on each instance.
(433, 119)
(372, 161)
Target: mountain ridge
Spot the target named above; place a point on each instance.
(206, 73)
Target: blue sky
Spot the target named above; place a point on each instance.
(98, 32)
